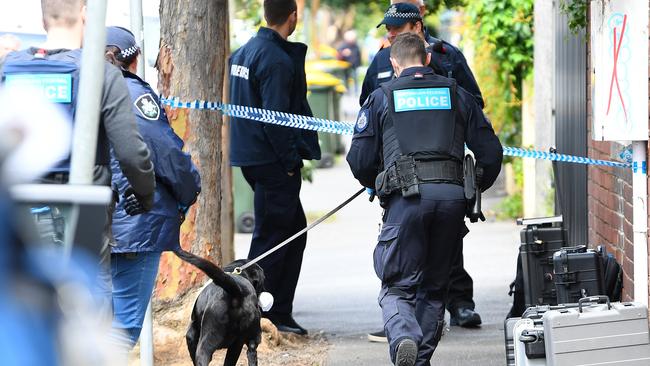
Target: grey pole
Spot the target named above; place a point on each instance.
(138, 31)
(86, 127)
(146, 336)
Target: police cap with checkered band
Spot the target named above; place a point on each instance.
(400, 13)
(123, 39)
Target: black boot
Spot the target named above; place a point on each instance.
(465, 317)
(285, 323)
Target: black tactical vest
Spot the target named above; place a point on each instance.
(56, 76)
(422, 119)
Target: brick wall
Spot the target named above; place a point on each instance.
(609, 194)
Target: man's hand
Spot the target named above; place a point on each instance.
(134, 204)
(372, 193)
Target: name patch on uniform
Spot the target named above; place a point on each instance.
(425, 99)
(147, 106)
(384, 75)
(57, 88)
(239, 71)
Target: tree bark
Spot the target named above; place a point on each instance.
(191, 63)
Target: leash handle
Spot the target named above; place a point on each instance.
(239, 270)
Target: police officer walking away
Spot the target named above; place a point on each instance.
(409, 146)
(269, 72)
(446, 60)
(61, 54)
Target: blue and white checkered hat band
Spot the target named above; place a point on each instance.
(402, 15)
(129, 51)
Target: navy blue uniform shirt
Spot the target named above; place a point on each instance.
(269, 72)
(365, 152)
(446, 60)
(178, 180)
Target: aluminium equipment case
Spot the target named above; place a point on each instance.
(508, 329)
(602, 334)
(540, 239)
(529, 342)
(578, 272)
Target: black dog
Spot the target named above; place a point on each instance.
(226, 314)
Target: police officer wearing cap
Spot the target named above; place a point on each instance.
(446, 60)
(408, 145)
(269, 72)
(141, 237)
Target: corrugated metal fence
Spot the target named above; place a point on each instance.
(571, 126)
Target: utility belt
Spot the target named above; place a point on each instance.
(406, 174)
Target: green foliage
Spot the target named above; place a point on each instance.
(503, 38)
(576, 11)
(506, 24)
(307, 170)
(512, 206)
(250, 10)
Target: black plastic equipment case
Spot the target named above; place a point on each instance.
(578, 273)
(540, 239)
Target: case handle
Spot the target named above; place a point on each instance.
(597, 299)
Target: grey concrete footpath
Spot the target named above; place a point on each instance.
(337, 292)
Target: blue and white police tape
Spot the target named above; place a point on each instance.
(344, 128)
(266, 116)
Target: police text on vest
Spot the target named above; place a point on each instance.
(421, 99)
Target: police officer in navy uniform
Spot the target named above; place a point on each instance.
(409, 146)
(61, 56)
(446, 60)
(141, 237)
(269, 72)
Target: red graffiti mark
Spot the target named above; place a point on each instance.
(617, 50)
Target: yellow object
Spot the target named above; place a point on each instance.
(327, 51)
(326, 65)
(319, 78)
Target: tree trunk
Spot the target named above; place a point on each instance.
(193, 49)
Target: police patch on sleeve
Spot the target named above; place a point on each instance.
(362, 121)
(147, 106)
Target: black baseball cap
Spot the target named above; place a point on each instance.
(400, 13)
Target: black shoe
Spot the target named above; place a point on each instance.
(465, 317)
(379, 337)
(407, 353)
(285, 323)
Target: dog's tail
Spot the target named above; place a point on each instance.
(218, 276)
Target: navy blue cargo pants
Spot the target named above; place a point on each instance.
(461, 285)
(278, 215)
(417, 245)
